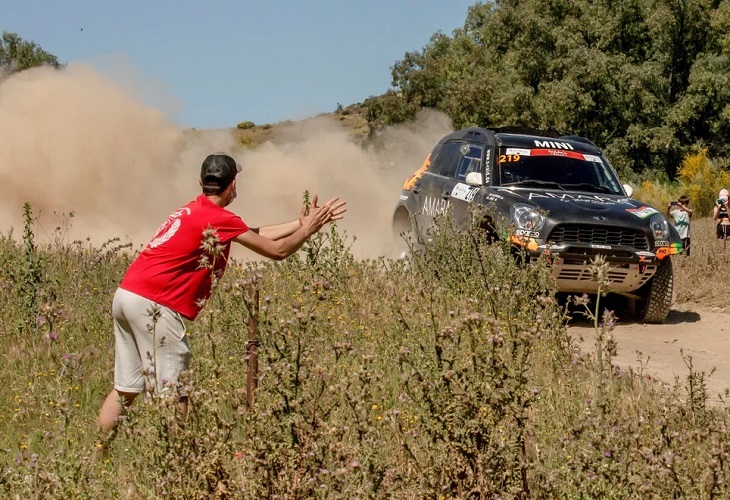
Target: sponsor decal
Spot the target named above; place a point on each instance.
(403, 197)
(595, 199)
(673, 249)
(668, 249)
(464, 192)
(547, 148)
(435, 206)
(602, 247)
(593, 158)
(550, 247)
(557, 152)
(528, 243)
(643, 212)
(507, 158)
(488, 167)
(527, 233)
(411, 181)
(643, 253)
(553, 145)
(493, 197)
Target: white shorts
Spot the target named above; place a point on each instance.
(148, 355)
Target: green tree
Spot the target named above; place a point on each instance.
(644, 79)
(17, 54)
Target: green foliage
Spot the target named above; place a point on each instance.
(644, 79)
(246, 125)
(28, 275)
(699, 177)
(388, 109)
(17, 54)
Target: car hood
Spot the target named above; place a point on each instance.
(580, 207)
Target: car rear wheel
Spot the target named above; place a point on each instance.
(404, 234)
(656, 296)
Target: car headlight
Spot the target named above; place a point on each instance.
(527, 217)
(659, 227)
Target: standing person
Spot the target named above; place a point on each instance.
(722, 216)
(681, 213)
(167, 282)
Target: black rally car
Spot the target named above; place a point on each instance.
(562, 197)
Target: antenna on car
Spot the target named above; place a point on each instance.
(577, 139)
(512, 129)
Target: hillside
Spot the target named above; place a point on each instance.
(351, 118)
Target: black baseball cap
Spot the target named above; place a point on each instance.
(219, 168)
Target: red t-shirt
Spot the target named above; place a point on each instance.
(168, 270)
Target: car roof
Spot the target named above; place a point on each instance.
(524, 137)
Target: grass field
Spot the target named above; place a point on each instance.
(449, 375)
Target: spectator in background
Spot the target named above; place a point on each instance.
(721, 215)
(681, 213)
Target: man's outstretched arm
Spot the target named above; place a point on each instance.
(284, 246)
(277, 231)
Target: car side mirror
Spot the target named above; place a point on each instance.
(629, 190)
(474, 179)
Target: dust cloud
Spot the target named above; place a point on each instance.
(75, 141)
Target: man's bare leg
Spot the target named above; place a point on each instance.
(112, 409)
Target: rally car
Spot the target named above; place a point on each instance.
(563, 198)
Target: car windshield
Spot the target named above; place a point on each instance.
(556, 169)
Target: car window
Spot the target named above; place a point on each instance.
(567, 168)
(470, 162)
(447, 159)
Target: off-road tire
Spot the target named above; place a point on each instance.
(404, 234)
(656, 295)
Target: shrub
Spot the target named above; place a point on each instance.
(701, 179)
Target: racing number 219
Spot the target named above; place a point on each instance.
(509, 158)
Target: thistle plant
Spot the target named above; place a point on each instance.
(605, 322)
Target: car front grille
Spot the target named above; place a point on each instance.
(597, 235)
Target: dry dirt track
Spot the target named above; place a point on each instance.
(702, 334)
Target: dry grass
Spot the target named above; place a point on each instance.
(451, 376)
(701, 280)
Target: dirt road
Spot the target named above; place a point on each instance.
(702, 334)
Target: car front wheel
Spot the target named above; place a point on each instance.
(656, 295)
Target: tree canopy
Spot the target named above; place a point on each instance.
(17, 54)
(644, 79)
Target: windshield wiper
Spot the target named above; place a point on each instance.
(589, 187)
(535, 182)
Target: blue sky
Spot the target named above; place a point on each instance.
(215, 64)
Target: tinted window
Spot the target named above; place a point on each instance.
(470, 162)
(570, 169)
(447, 159)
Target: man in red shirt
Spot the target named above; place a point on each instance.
(167, 282)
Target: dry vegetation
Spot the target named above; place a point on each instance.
(350, 118)
(448, 375)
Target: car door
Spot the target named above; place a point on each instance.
(433, 189)
(462, 195)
